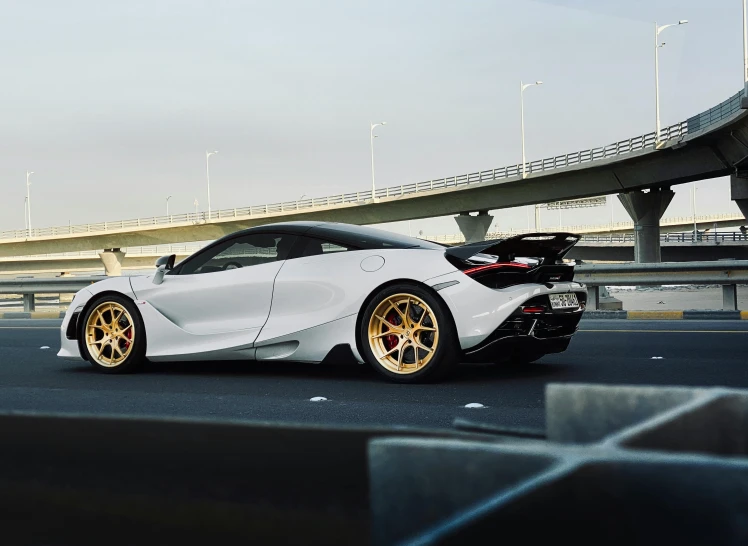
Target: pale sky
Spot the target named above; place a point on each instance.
(113, 105)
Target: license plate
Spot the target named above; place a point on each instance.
(563, 301)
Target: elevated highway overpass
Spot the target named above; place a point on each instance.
(640, 169)
(614, 247)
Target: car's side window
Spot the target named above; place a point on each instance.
(311, 246)
(244, 251)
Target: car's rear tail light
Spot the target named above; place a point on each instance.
(533, 309)
(500, 265)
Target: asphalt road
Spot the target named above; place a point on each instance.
(607, 352)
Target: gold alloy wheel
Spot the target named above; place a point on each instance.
(110, 334)
(403, 333)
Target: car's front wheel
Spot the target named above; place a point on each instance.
(113, 335)
(407, 334)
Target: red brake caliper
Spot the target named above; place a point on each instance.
(129, 336)
(391, 341)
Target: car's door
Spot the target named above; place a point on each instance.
(226, 288)
(315, 287)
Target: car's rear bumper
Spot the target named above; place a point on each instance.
(479, 311)
(529, 335)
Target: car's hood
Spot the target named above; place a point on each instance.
(549, 247)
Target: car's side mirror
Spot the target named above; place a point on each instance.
(167, 261)
(163, 264)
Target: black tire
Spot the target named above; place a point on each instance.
(135, 350)
(445, 355)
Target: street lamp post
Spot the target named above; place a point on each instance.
(658, 45)
(207, 174)
(522, 87)
(167, 205)
(196, 204)
(373, 136)
(28, 200)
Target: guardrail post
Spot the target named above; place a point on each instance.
(593, 298)
(29, 304)
(730, 297)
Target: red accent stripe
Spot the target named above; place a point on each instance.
(533, 309)
(500, 265)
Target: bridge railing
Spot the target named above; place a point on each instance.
(638, 143)
(714, 115)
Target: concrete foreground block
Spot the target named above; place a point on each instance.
(622, 465)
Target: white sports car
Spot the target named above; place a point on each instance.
(317, 291)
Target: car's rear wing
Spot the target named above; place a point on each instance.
(548, 248)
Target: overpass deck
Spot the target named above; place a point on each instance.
(705, 146)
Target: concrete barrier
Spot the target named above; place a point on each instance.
(622, 465)
(619, 465)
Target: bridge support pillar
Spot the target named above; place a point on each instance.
(112, 259)
(645, 210)
(474, 228)
(739, 191)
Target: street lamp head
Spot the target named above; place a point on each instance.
(384, 123)
(683, 21)
(538, 82)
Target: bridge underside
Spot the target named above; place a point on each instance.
(713, 152)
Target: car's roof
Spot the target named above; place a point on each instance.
(358, 236)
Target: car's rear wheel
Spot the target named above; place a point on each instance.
(407, 334)
(113, 335)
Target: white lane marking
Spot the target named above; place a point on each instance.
(473, 405)
(44, 347)
(657, 357)
(318, 399)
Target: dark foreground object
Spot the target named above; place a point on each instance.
(621, 465)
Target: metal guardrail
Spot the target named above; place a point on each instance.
(724, 237)
(56, 285)
(29, 287)
(635, 144)
(726, 273)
